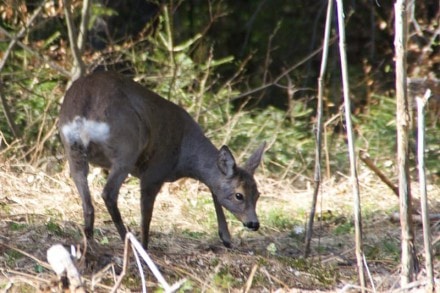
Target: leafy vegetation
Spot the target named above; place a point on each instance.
(186, 65)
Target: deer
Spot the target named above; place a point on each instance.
(111, 121)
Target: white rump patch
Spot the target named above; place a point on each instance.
(85, 131)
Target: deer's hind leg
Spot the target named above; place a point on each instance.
(110, 195)
(79, 169)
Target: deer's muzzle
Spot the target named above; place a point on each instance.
(252, 225)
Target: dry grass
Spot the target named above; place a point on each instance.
(38, 210)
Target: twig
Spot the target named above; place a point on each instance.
(421, 103)
(410, 286)
(317, 177)
(249, 25)
(28, 276)
(36, 54)
(250, 279)
(370, 164)
(8, 115)
(13, 127)
(275, 81)
(124, 266)
(38, 261)
(141, 271)
(416, 218)
(348, 287)
(149, 262)
(364, 259)
(137, 248)
(79, 67)
(282, 74)
(351, 147)
(271, 277)
(19, 35)
(82, 34)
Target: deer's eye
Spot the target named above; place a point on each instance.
(239, 196)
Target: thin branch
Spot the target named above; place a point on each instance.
(351, 148)
(317, 179)
(85, 16)
(409, 260)
(421, 103)
(19, 35)
(249, 25)
(283, 74)
(38, 261)
(43, 58)
(367, 160)
(8, 115)
(278, 78)
(78, 67)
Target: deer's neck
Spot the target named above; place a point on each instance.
(199, 161)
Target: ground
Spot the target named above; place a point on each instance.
(39, 209)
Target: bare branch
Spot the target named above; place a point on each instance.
(283, 74)
(78, 67)
(8, 115)
(421, 103)
(85, 16)
(317, 179)
(366, 159)
(408, 254)
(19, 35)
(351, 148)
(36, 54)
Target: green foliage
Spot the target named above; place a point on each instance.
(194, 234)
(186, 63)
(344, 228)
(324, 274)
(14, 226)
(223, 279)
(377, 127)
(54, 228)
(377, 134)
(12, 256)
(279, 219)
(386, 249)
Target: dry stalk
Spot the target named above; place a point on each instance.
(364, 156)
(318, 130)
(421, 103)
(124, 266)
(351, 149)
(271, 277)
(38, 261)
(250, 279)
(408, 254)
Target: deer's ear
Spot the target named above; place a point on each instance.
(254, 161)
(226, 162)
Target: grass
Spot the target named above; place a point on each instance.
(39, 210)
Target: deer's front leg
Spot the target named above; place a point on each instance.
(223, 230)
(148, 196)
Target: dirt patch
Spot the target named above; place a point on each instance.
(38, 210)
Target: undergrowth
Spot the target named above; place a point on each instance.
(33, 93)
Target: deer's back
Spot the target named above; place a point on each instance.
(114, 117)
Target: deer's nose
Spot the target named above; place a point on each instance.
(252, 225)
